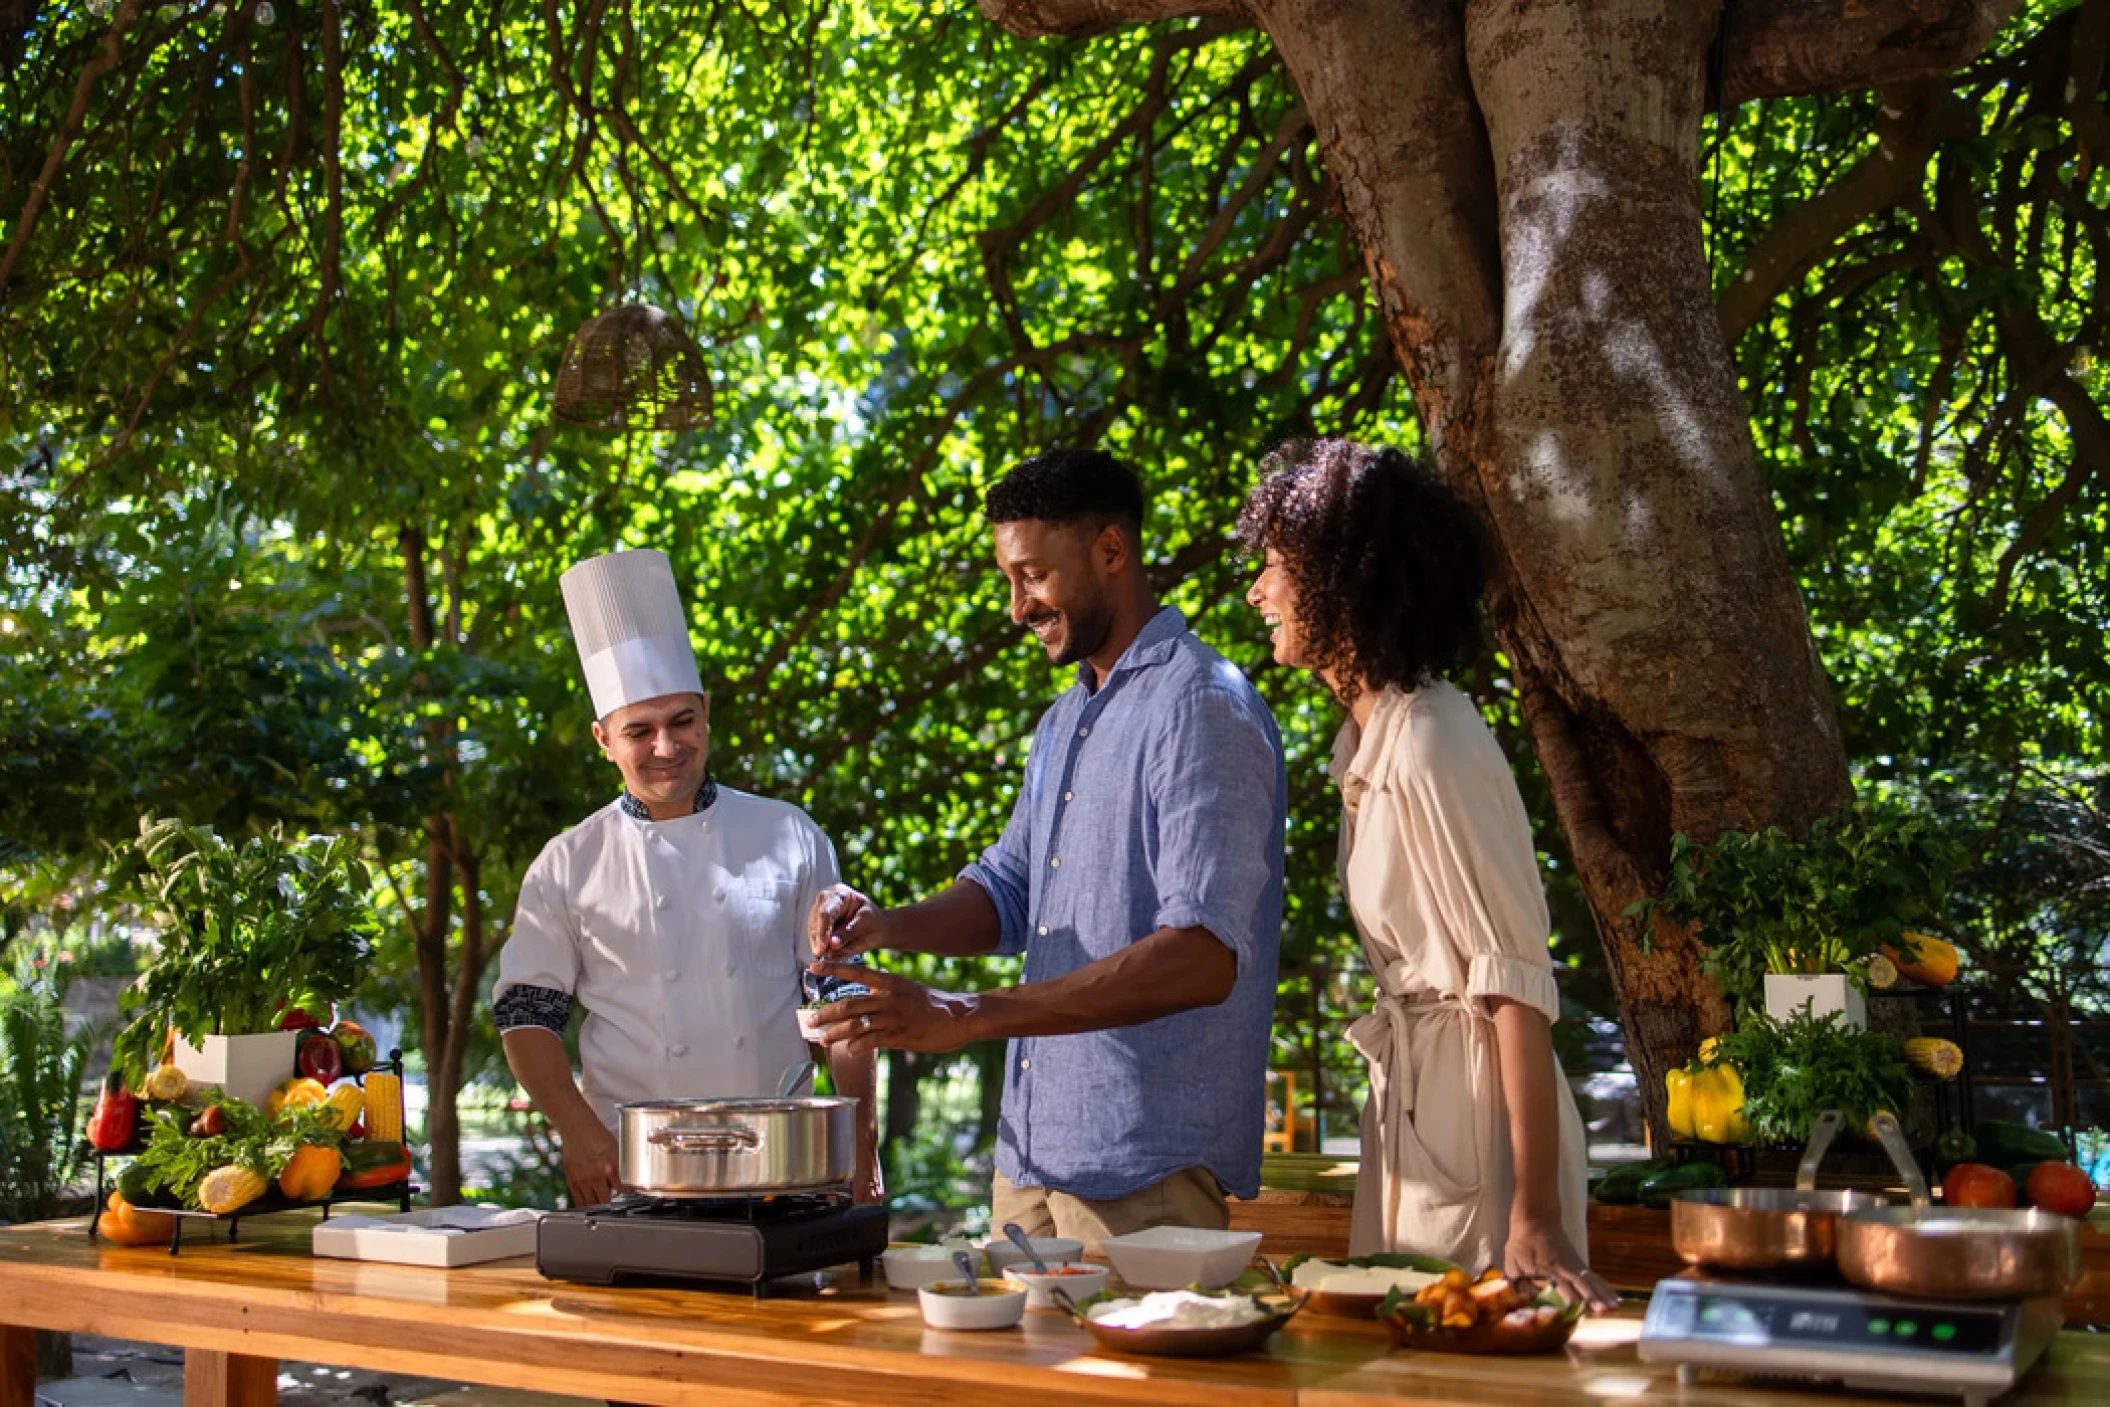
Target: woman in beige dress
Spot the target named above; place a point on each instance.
(1472, 1147)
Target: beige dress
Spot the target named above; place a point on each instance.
(1442, 877)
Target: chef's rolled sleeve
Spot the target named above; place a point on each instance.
(1215, 780)
(541, 953)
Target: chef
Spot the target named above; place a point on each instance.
(675, 914)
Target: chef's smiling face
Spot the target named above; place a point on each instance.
(1061, 577)
(1274, 594)
(661, 747)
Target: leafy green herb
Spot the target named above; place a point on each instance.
(175, 1160)
(242, 930)
(1765, 902)
(1796, 1069)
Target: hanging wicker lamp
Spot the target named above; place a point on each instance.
(633, 368)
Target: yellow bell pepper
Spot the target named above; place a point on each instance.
(1678, 1084)
(1718, 1104)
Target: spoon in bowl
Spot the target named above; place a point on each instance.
(974, 1282)
(1024, 1242)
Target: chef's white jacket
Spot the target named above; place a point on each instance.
(683, 939)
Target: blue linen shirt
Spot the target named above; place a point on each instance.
(1156, 800)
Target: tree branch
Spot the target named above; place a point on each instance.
(1080, 19)
(1781, 48)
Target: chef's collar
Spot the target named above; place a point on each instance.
(706, 797)
(1152, 645)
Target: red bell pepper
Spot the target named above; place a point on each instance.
(116, 1118)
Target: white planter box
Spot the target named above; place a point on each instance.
(245, 1067)
(1825, 993)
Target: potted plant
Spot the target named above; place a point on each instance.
(1791, 925)
(243, 932)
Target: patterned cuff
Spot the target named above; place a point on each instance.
(520, 1005)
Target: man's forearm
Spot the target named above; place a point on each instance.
(856, 1077)
(959, 921)
(539, 1062)
(1172, 970)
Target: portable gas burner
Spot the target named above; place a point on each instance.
(741, 1240)
(1834, 1333)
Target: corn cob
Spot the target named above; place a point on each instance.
(384, 1106)
(229, 1189)
(1934, 1056)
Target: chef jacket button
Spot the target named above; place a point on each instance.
(1026, 1063)
(678, 1050)
(673, 974)
(1084, 732)
(1055, 863)
(740, 1042)
(1069, 796)
(659, 901)
(1043, 930)
(719, 893)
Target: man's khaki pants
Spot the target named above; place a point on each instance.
(1186, 1198)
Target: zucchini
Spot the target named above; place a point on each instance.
(132, 1186)
(1621, 1187)
(2001, 1143)
(1656, 1189)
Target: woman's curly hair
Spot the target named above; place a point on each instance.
(1386, 563)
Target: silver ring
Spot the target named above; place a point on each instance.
(864, 1022)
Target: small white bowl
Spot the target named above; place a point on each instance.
(1000, 1305)
(913, 1267)
(1079, 1282)
(1174, 1257)
(1055, 1250)
(809, 1022)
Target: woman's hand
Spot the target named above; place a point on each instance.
(1538, 1250)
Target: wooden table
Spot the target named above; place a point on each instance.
(237, 1309)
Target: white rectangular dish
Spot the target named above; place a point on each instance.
(438, 1236)
(1174, 1257)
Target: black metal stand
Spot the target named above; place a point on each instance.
(269, 1203)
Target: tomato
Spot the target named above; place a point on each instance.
(2062, 1188)
(1977, 1185)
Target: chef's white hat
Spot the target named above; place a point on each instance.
(627, 621)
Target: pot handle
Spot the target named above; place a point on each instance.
(738, 1140)
(1893, 1140)
(1821, 1134)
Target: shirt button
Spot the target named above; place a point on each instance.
(719, 893)
(1055, 863)
(1069, 796)
(1084, 732)
(730, 969)
(1043, 930)
(672, 974)
(659, 901)
(678, 1050)
(739, 1042)
(1026, 1063)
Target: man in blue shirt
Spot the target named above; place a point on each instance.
(1140, 874)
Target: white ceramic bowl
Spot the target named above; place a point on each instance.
(1079, 1282)
(1055, 1250)
(913, 1267)
(1174, 1257)
(999, 1306)
(809, 1024)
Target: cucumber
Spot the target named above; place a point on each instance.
(2001, 1143)
(1657, 1188)
(132, 1186)
(1621, 1187)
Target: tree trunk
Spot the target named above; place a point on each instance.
(1523, 181)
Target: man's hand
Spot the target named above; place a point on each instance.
(898, 1015)
(867, 1184)
(591, 1164)
(843, 923)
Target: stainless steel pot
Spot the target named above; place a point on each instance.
(736, 1147)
